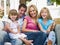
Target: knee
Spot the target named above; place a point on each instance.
(52, 32)
(2, 35)
(52, 35)
(18, 42)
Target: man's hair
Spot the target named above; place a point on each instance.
(22, 5)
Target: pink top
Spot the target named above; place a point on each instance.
(30, 24)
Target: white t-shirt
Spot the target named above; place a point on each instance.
(14, 26)
(1, 25)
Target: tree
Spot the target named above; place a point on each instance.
(57, 2)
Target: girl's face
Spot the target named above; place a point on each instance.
(13, 17)
(32, 12)
(44, 14)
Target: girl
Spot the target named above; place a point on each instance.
(14, 28)
(30, 27)
(46, 25)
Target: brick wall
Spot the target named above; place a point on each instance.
(57, 20)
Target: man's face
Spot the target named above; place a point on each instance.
(21, 11)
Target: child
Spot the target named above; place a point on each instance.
(14, 28)
(46, 25)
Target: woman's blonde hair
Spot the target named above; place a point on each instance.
(12, 12)
(48, 13)
(35, 8)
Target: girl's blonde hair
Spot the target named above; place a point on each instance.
(44, 8)
(12, 12)
(35, 8)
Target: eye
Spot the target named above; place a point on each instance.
(33, 10)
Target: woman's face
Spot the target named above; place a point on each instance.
(44, 14)
(32, 12)
(13, 17)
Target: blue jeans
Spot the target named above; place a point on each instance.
(2, 37)
(16, 42)
(37, 37)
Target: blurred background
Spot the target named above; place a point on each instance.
(52, 5)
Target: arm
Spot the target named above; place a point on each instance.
(9, 29)
(40, 27)
(51, 27)
(18, 29)
(24, 27)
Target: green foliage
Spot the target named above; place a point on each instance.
(53, 1)
(58, 2)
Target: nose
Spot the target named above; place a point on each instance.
(22, 12)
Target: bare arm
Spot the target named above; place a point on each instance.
(40, 27)
(18, 29)
(51, 27)
(24, 27)
(9, 29)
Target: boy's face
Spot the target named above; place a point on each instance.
(21, 11)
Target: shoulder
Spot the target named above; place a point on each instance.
(51, 21)
(27, 17)
(40, 20)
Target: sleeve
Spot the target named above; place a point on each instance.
(51, 22)
(39, 21)
(27, 18)
(18, 23)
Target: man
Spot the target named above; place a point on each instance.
(21, 14)
(3, 33)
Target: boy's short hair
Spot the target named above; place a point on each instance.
(22, 5)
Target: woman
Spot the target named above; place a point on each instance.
(30, 27)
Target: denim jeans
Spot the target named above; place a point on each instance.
(37, 37)
(2, 37)
(16, 42)
(13, 41)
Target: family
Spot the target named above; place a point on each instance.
(29, 29)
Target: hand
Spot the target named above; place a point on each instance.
(48, 31)
(15, 32)
(44, 31)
